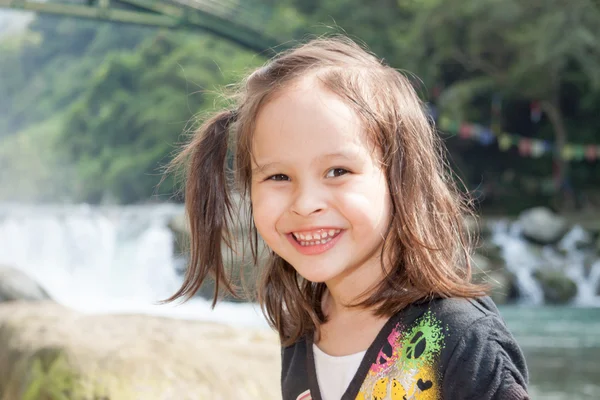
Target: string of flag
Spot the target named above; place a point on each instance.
(527, 147)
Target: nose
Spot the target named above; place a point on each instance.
(308, 200)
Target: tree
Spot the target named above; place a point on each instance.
(129, 119)
(526, 49)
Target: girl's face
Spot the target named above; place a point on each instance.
(319, 197)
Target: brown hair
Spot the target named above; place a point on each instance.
(426, 246)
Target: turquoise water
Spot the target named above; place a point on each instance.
(562, 347)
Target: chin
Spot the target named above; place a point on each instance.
(316, 276)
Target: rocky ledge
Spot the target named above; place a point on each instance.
(50, 352)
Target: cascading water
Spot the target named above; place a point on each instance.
(523, 259)
(120, 259)
(106, 259)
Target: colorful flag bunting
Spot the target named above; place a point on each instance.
(527, 147)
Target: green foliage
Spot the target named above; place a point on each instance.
(113, 117)
(98, 108)
(135, 107)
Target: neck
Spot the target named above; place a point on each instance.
(351, 289)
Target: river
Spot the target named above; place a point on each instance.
(120, 259)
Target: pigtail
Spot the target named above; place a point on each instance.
(209, 205)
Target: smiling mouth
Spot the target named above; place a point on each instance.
(320, 237)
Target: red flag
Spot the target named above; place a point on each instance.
(591, 153)
(465, 131)
(535, 109)
(525, 147)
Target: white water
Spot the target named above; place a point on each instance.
(106, 259)
(523, 258)
(120, 259)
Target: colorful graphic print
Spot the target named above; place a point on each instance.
(406, 367)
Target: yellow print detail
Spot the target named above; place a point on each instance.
(406, 366)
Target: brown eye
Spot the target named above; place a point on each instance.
(335, 172)
(278, 178)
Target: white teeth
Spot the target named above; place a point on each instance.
(316, 238)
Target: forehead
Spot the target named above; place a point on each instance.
(306, 120)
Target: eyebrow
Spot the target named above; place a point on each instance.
(340, 154)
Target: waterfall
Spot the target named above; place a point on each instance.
(519, 260)
(523, 258)
(106, 259)
(121, 259)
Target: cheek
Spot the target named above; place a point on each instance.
(368, 206)
(366, 212)
(266, 208)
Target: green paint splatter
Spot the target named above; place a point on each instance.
(422, 344)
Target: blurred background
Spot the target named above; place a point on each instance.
(95, 97)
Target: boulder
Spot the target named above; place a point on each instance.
(51, 352)
(492, 252)
(576, 239)
(557, 287)
(17, 285)
(181, 233)
(542, 226)
(238, 265)
(477, 227)
(501, 281)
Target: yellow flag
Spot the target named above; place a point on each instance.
(567, 152)
(504, 142)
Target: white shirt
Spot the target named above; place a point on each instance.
(335, 373)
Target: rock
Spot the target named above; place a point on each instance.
(502, 282)
(181, 234)
(238, 266)
(477, 227)
(576, 239)
(557, 287)
(492, 252)
(46, 348)
(503, 286)
(17, 285)
(542, 226)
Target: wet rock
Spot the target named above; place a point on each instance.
(48, 349)
(542, 226)
(576, 239)
(181, 234)
(491, 252)
(477, 227)
(17, 285)
(557, 287)
(502, 283)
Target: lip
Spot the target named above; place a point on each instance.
(318, 248)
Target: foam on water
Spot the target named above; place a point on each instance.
(106, 259)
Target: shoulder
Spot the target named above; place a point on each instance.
(294, 372)
(480, 357)
(460, 311)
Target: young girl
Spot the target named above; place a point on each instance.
(367, 279)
